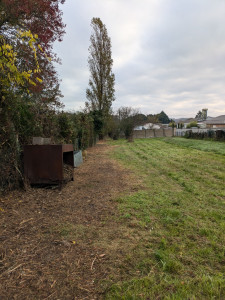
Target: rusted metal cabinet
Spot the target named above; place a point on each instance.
(44, 164)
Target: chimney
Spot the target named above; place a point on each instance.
(204, 113)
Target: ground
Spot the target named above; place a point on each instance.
(142, 220)
(57, 244)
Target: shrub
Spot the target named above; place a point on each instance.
(218, 135)
(192, 124)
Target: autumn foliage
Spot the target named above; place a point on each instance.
(42, 17)
(29, 85)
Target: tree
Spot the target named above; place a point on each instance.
(100, 93)
(173, 124)
(140, 119)
(12, 74)
(29, 87)
(39, 23)
(127, 121)
(202, 115)
(192, 124)
(42, 17)
(152, 118)
(198, 115)
(163, 118)
(27, 30)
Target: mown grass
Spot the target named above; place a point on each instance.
(208, 146)
(179, 218)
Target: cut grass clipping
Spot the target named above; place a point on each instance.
(178, 218)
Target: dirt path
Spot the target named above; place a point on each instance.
(63, 244)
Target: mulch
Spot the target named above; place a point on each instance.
(52, 241)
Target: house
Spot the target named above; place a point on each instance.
(200, 119)
(202, 123)
(218, 122)
(182, 123)
(147, 126)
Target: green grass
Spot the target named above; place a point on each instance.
(208, 146)
(178, 217)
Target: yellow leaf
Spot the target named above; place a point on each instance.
(38, 79)
(39, 46)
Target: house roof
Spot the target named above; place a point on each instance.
(179, 120)
(147, 126)
(217, 120)
(190, 120)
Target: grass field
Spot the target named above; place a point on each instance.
(178, 217)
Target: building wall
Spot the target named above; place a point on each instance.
(139, 134)
(169, 132)
(218, 126)
(159, 132)
(151, 133)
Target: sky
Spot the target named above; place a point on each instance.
(167, 54)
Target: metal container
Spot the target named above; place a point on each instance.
(43, 164)
(38, 140)
(78, 158)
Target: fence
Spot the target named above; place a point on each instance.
(152, 133)
(169, 132)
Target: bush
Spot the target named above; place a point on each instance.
(192, 124)
(218, 135)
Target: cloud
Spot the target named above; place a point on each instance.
(168, 54)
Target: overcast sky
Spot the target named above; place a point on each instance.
(168, 54)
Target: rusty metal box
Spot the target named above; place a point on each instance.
(44, 164)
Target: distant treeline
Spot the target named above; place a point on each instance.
(153, 118)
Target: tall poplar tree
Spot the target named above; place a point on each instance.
(100, 93)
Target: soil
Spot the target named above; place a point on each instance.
(63, 244)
